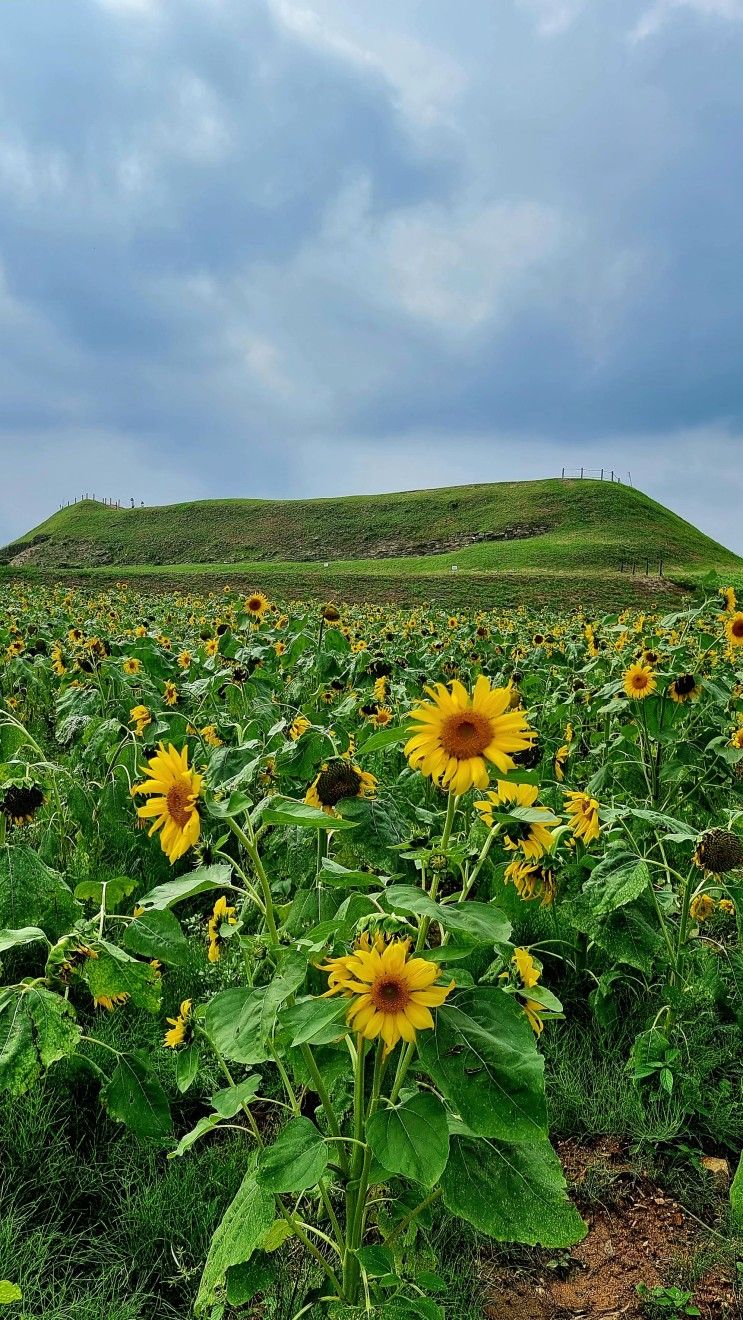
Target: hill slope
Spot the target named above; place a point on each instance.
(559, 530)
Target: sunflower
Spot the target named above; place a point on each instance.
(141, 717)
(330, 613)
(583, 813)
(737, 739)
(256, 605)
(684, 688)
(132, 665)
(20, 803)
(170, 693)
(734, 629)
(639, 681)
(702, 906)
(110, 1002)
(184, 659)
(561, 758)
(299, 726)
(380, 689)
(338, 780)
(180, 1028)
(532, 838)
(222, 914)
(211, 646)
(382, 718)
(455, 734)
(529, 972)
(173, 790)
(391, 994)
(531, 880)
(729, 599)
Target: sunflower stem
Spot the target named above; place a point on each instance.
(248, 843)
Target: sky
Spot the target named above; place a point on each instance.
(311, 247)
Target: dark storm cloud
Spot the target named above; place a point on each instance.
(294, 247)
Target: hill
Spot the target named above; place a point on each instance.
(563, 537)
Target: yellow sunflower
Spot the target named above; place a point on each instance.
(455, 734)
(179, 1026)
(391, 994)
(132, 665)
(684, 688)
(140, 717)
(299, 726)
(639, 681)
(531, 880)
(170, 693)
(338, 780)
(173, 790)
(583, 814)
(222, 914)
(729, 599)
(734, 629)
(532, 838)
(256, 605)
(701, 907)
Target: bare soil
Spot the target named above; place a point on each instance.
(637, 1234)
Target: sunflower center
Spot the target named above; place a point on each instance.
(390, 995)
(737, 628)
(179, 804)
(466, 734)
(640, 682)
(338, 781)
(685, 684)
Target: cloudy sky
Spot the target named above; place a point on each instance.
(307, 247)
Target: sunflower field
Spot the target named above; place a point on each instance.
(324, 887)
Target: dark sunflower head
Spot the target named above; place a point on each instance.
(684, 688)
(20, 802)
(719, 851)
(337, 781)
(330, 613)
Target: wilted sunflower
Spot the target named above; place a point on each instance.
(532, 838)
(583, 814)
(338, 780)
(684, 688)
(639, 681)
(180, 1027)
(256, 605)
(19, 803)
(330, 613)
(702, 906)
(455, 734)
(719, 851)
(174, 791)
(140, 717)
(391, 994)
(734, 629)
(531, 880)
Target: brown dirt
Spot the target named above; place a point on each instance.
(637, 1234)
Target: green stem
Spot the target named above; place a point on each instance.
(325, 1100)
(412, 1214)
(248, 844)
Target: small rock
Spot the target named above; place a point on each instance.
(720, 1169)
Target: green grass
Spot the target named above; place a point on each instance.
(564, 541)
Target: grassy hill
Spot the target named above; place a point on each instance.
(565, 539)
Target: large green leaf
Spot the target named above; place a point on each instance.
(483, 1058)
(316, 1021)
(114, 972)
(480, 921)
(285, 811)
(736, 1196)
(31, 894)
(628, 935)
(200, 881)
(411, 1139)
(297, 1160)
(233, 1021)
(11, 939)
(134, 1096)
(245, 1221)
(158, 934)
(37, 1027)
(618, 879)
(512, 1192)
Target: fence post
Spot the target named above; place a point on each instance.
(602, 474)
(581, 474)
(563, 474)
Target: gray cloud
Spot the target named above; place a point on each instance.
(304, 247)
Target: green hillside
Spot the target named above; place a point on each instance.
(564, 537)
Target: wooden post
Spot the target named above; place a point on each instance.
(563, 474)
(602, 474)
(581, 474)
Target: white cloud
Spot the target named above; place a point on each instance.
(663, 10)
(554, 16)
